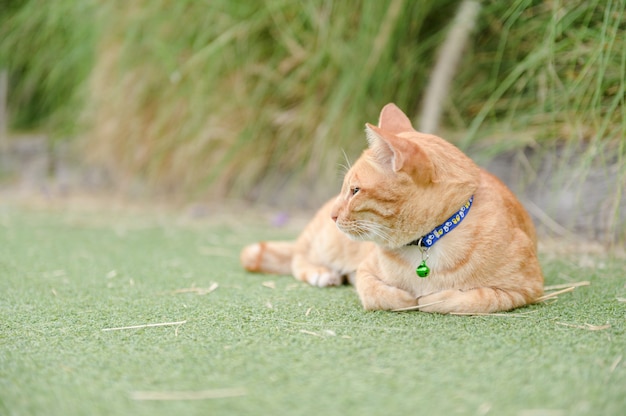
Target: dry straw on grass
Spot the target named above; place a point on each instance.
(121, 328)
(565, 288)
(506, 314)
(187, 395)
(199, 290)
(417, 307)
(567, 285)
(586, 326)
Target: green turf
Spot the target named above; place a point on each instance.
(291, 349)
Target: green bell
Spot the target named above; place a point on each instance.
(422, 270)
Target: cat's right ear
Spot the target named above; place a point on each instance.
(383, 149)
(397, 153)
(393, 120)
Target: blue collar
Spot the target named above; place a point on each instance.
(448, 225)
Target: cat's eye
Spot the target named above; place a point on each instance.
(355, 190)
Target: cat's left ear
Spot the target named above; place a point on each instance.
(393, 120)
(398, 153)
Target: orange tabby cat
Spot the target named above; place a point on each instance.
(417, 224)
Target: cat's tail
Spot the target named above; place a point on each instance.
(268, 257)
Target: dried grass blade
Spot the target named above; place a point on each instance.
(187, 395)
(144, 326)
(198, 290)
(506, 315)
(269, 284)
(615, 363)
(417, 307)
(586, 326)
(566, 285)
(554, 294)
(315, 334)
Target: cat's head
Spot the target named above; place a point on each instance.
(404, 185)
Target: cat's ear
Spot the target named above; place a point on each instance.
(382, 146)
(393, 120)
(397, 153)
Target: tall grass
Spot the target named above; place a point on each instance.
(247, 97)
(47, 47)
(553, 66)
(257, 99)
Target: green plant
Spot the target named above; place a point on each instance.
(551, 66)
(47, 48)
(241, 96)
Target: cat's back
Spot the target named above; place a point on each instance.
(501, 203)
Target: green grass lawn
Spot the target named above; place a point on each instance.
(269, 345)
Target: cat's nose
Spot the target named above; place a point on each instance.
(334, 210)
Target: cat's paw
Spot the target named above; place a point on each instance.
(445, 301)
(251, 256)
(323, 278)
(386, 298)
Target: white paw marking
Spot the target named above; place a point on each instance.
(313, 279)
(327, 279)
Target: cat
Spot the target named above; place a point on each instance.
(417, 225)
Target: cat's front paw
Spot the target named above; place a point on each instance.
(323, 278)
(386, 298)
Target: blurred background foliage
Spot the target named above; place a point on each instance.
(261, 99)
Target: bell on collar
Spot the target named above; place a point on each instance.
(422, 270)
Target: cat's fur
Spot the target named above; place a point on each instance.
(403, 186)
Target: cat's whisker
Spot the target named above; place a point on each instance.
(380, 233)
(342, 170)
(362, 227)
(357, 228)
(344, 167)
(377, 229)
(389, 230)
(349, 165)
(380, 230)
